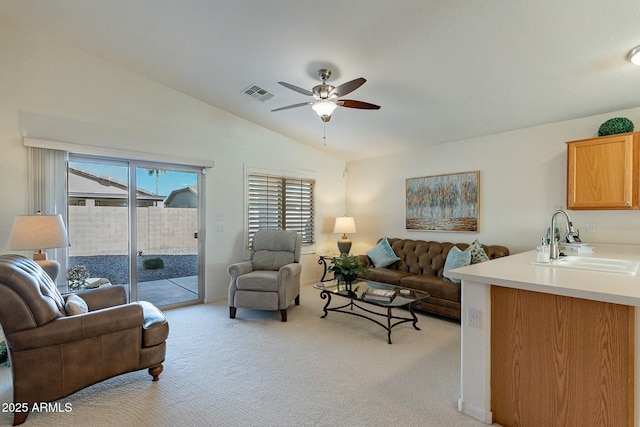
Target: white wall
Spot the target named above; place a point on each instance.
(51, 90)
(522, 181)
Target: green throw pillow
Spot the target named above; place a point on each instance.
(456, 258)
(477, 252)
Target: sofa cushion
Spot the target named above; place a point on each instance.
(477, 252)
(259, 280)
(271, 260)
(386, 275)
(456, 258)
(75, 305)
(436, 286)
(382, 255)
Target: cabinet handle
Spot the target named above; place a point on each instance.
(627, 203)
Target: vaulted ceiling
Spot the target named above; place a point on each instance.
(442, 70)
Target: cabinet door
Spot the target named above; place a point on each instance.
(561, 361)
(600, 173)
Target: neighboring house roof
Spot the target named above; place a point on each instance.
(186, 197)
(88, 185)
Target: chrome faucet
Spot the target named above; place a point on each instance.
(553, 243)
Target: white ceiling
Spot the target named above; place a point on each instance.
(442, 70)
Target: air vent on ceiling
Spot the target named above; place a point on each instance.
(258, 93)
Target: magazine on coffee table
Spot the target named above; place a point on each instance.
(380, 295)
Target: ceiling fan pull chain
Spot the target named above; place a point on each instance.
(324, 133)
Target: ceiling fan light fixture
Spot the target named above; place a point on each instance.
(634, 55)
(324, 108)
(327, 97)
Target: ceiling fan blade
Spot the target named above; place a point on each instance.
(350, 103)
(296, 88)
(348, 87)
(292, 106)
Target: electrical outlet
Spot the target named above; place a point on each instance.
(473, 317)
(591, 227)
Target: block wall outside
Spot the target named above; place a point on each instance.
(103, 230)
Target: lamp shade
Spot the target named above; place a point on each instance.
(344, 225)
(38, 232)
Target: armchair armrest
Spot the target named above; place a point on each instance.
(290, 270)
(73, 328)
(240, 268)
(108, 296)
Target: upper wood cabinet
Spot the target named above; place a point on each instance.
(602, 173)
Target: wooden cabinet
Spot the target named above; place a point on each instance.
(602, 173)
(560, 361)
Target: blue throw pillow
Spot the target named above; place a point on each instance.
(382, 255)
(456, 258)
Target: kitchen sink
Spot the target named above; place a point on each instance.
(607, 265)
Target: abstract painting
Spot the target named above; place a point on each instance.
(443, 202)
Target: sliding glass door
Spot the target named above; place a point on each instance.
(98, 219)
(137, 224)
(166, 235)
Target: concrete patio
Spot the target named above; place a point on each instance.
(169, 291)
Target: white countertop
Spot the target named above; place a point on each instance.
(520, 271)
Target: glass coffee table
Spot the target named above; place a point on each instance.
(360, 296)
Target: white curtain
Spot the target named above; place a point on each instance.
(47, 172)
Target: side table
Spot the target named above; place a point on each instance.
(323, 262)
(90, 283)
(96, 282)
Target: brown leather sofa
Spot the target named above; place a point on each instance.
(53, 354)
(421, 266)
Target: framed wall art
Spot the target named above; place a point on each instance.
(443, 202)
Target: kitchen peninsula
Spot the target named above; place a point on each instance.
(545, 345)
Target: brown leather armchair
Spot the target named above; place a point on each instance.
(54, 354)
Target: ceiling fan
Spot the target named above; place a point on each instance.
(327, 96)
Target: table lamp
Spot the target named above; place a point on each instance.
(38, 232)
(344, 225)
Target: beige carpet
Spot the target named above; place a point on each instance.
(258, 371)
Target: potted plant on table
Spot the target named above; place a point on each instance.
(346, 269)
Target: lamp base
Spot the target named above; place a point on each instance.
(40, 256)
(344, 246)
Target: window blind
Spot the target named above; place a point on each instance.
(280, 203)
(47, 183)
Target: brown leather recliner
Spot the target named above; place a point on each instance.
(53, 354)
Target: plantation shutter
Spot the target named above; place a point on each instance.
(299, 208)
(280, 203)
